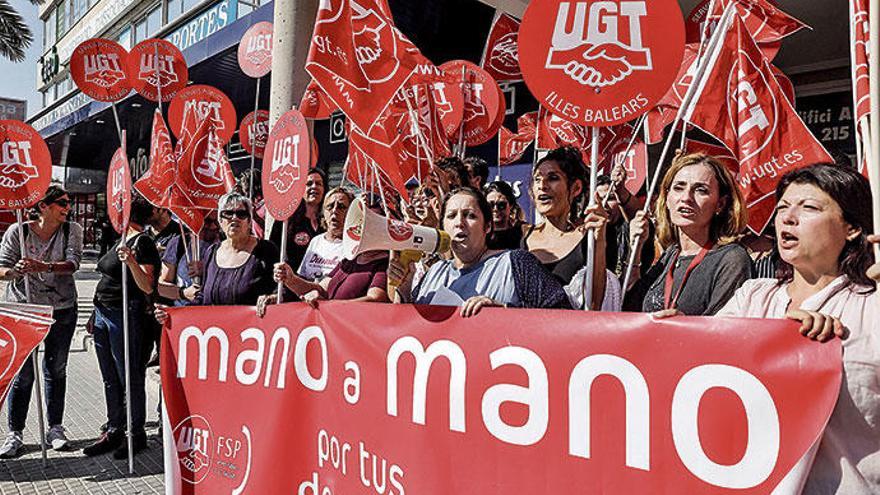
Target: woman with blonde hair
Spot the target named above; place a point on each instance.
(700, 214)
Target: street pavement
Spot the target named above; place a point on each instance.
(72, 472)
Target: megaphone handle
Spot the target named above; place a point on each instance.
(280, 290)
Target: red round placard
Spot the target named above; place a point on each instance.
(255, 50)
(286, 164)
(254, 131)
(119, 190)
(25, 165)
(481, 102)
(155, 62)
(600, 63)
(97, 66)
(195, 103)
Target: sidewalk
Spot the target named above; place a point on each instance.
(71, 472)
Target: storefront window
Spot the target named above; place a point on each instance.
(78, 9)
(188, 4)
(174, 11)
(140, 31)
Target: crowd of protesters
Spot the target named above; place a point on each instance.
(694, 257)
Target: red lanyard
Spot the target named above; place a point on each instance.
(670, 278)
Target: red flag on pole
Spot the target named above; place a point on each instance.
(501, 54)
(25, 165)
(512, 146)
(859, 36)
(204, 173)
(315, 104)
(154, 185)
(767, 25)
(359, 58)
(741, 104)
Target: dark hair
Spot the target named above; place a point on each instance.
(243, 183)
(505, 190)
(571, 163)
(53, 193)
(316, 170)
(603, 179)
(482, 204)
(479, 167)
(851, 191)
(456, 166)
(141, 210)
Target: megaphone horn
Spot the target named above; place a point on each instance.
(366, 230)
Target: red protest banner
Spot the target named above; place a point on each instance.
(359, 58)
(403, 399)
(119, 189)
(253, 132)
(286, 164)
(501, 55)
(741, 104)
(483, 101)
(860, 74)
(97, 66)
(600, 63)
(634, 162)
(22, 328)
(315, 104)
(154, 64)
(255, 50)
(196, 103)
(25, 165)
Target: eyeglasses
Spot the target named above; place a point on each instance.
(498, 205)
(64, 203)
(239, 214)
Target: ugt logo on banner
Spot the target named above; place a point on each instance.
(283, 178)
(600, 63)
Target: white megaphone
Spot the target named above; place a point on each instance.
(366, 230)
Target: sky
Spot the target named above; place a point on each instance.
(20, 79)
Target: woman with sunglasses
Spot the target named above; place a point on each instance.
(237, 270)
(507, 228)
(54, 250)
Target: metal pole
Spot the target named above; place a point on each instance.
(632, 139)
(38, 381)
(460, 149)
(126, 347)
(251, 136)
(874, 72)
(591, 235)
(702, 65)
(280, 289)
(118, 125)
(158, 80)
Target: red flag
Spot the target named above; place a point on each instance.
(204, 173)
(512, 146)
(22, 328)
(382, 150)
(740, 102)
(858, 30)
(119, 189)
(720, 153)
(315, 104)
(554, 131)
(501, 54)
(155, 183)
(767, 25)
(359, 58)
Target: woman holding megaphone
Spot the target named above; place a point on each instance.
(476, 276)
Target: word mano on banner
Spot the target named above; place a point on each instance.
(25, 165)
(600, 63)
(405, 399)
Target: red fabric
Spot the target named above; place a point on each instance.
(25, 165)
(766, 24)
(204, 173)
(859, 37)
(512, 146)
(503, 402)
(741, 104)
(22, 329)
(501, 54)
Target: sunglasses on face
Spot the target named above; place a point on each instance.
(239, 214)
(498, 205)
(64, 203)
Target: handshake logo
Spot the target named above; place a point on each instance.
(599, 44)
(16, 168)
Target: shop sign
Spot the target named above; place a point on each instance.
(104, 15)
(74, 103)
(49, 65)
(830, 118)
(215, 18)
